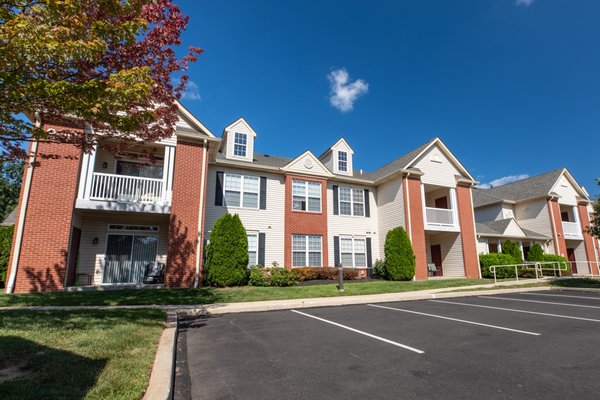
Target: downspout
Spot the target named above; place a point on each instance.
(200, 215)
(23, 210)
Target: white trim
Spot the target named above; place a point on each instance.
(306, 250)
(242, 191)
(353, 239)
(201, 214)
(257, 235)
(307, 197)
(447, 152)
(194, 120)
(351, 202)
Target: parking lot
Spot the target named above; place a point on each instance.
(542, 345)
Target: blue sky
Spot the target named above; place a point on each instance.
(511, 86)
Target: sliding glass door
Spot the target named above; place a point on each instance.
(127, 257)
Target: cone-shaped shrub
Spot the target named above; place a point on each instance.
(512, 249)
(399, 256)
(535, 253)
(227, 253)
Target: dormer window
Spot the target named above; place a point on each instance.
(240, 144)
(342, 161)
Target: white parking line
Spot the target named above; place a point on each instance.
(562, 295)
(538, 301)
(516, 310)
(361, 332)
(456, 320)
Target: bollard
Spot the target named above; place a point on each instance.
(340, 277)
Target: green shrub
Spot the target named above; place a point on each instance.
(561, 262)
(379, 269)
(511, 248)
(6, 235)
(535, 253)
(227, 253)
(399, 256)
(258, 276)
(487, 260)
(282, 277)
(305, 274)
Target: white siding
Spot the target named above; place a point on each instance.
(91, 257)
(580, 256)
(307, 164)
(534, 215)
(482, 246)
(437, 168)
(390, 209)
(270, 221)
(240, 127)
(430, 197)
(566, 191)
(347, 225)
(342, 146)
(489, 213)
(508, 211)
(452, 257)
(513, 230)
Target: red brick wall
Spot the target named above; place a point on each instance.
(588, 240)
(417, 227)
(302, 222)
(185, 210)
(47, 227)
(560, 246)
(467, 231)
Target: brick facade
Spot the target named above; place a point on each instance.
(417, 226)
(47, 227)
(560, 246)
(588, 240)
(467, 231)
(185, 213)
(303, 222)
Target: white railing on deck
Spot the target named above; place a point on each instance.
(439, 216)
(129, 189)
(571, 228)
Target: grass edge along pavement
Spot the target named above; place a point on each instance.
(91, 354)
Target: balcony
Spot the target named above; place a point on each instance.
(439, 216)
(572, 230)
(439, 205)
(128, 189)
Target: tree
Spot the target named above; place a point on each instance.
(108, 63)
(227, 253)
(10, 185)
(535, 253)
(594, 228)
(399, 255)
(513, 250)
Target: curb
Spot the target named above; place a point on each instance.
(163, 370)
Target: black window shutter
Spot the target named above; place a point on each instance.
(335, 201)
(369, 256)
(367, 205)
(336, 250)
(263, 193)
(261, 249)
(219, 189)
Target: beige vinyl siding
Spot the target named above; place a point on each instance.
(430, 197)
(580, 256)
(240, 127)
(452, 257)
(566, 191)
(508, 211)
(535, 216)
(95, 225)
(348, 225)
(299, 166)
(513, 231)
(269, 221)
(489, 213)
(437, 168)
(390, 209)
(104, 156)
(482, 246)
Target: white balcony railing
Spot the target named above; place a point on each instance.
(439, 216)
(127, 189)
(571, 229)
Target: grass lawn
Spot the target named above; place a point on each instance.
(77, 354)
(226, 295)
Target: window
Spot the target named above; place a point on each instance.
(306, 196)
(306, 251)
(241, 191)
(252, 249)
(352, 201)
(342, 161)
(240, 144)
(132, 168)
(353, 252)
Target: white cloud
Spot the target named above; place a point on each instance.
(192, 92)
(344, 93)
(502, 181)
(524, 3)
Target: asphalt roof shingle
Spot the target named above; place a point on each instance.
(497, 228)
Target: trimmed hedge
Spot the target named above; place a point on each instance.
(512, 249)
(562, 262)
(399, 256)
(6, 235)
(487, 260)
(324, 273)
(535, 253)
(227, 253)
(280, 277)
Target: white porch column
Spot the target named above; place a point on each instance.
(521, 247)
(499, 246)
(576, 217)
(168, 164)
(454, 206)
(424, 205)
(87, 169)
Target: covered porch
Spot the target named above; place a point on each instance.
(444, 255)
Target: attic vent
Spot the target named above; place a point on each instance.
(435, 158)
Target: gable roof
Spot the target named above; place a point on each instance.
(11, 219)
(237, 121)
(193, 121)
(307, 163)
(498, 228)
(336, 144)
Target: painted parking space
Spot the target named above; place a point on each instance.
(361, 352)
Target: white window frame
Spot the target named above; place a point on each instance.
(352, 202)
(242, 146)
(307, 251)
(353, 239)
(255, 261)
(306, 196)
(242, 190)
(340, 161)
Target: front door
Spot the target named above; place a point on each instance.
(127, 257)
(571, 258)
(436, 258)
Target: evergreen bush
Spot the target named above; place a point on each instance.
(399, 256)
(511, 248)
(6, 235)
(487, 260)
(535, 253)
(227, 253)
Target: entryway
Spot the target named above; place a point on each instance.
(127, 256)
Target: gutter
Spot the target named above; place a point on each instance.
(200, 214)
(23, 210)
